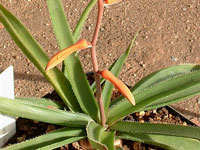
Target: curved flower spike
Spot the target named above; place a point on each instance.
(123, 89)
(110, 2)
(60, 56)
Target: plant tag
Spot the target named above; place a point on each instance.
(7, 124)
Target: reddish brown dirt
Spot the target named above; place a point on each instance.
(169, 35)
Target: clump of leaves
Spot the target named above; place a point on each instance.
(97, 121)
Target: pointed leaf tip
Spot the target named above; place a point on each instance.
(61, 55)
(123, 89)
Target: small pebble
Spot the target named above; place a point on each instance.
(158, 118)
(136, 114)
(141, 121)
(170, 115)
(173, 58)
(76, 145)
(154, 111)
(118, 143)
(184, 123)
(150, 119)
(22, 138)
(184, 9)
(199, 101)
(148, 113)
(141, 113)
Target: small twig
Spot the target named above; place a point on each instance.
(95, 62)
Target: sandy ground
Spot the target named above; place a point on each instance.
(169, 35)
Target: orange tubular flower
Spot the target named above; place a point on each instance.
(123, 89)
(110, 2)
(60, 56)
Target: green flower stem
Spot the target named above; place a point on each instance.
(95, 62)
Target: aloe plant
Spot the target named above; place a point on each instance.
(82, 116)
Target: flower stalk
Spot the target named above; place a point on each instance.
(95, 62)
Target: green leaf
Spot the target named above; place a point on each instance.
(61, 143)
(163, 141)
(161, 75)
(166, 92)
(37, 55)
(43, 102)
(50, 140)
(99, 138)
(61, 26)
(164, 74)
(161, 129)
(84, 16)
(36, 112)
(72, 69)
(108, 87)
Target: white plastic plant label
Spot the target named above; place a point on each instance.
(7, 124)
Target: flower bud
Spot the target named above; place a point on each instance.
(123, 89)
(60, 56)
